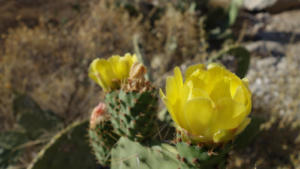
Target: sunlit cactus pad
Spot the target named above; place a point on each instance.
(129, 154)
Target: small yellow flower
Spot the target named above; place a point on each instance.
(111, 72)
(212, 105)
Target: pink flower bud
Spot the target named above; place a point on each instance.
(98, 115)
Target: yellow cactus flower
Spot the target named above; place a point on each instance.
(212, 104)
(111, 72)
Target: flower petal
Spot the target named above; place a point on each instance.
(190, 70)
(198, 113)
(221, 90)
(178, 77)
(230, 113)
(239, 95)
(101, 71)
(171, 89)
(243, 125)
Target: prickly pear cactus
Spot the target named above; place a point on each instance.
(133, 113)
(67, 149)
(128, 154)
(102, 137)
(102, 140)
(122, 131)
(201, 157)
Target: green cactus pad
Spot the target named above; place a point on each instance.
(102, 139)
(133, 114)
(69, 149)
(201, 157)
(132, 155)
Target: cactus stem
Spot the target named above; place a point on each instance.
(211, 152)
(179, 140)
(183, 160)
(195, 161)
(199, 145)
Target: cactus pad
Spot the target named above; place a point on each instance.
(68, 149)
(102, 139)
(201, 157)
(133, 113)
(132, 155)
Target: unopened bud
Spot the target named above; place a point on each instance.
(98, 115)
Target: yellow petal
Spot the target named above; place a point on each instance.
(239, 95)
(234, 84)
(179, 105)
(214, 65)
(122, 69)
(175, 100)
(130, 58)
(198, 113)
(161, 93)
(221, 136)
(196, 92)
(248, 101)
(230, 113)
(93, 74)
(177, 112)
(184, 94)
(246, 82)
(192, 69)
(178, 77)
(101, 72)
(171, 89)
(173, 112)
(121, 66)
(213, 75)
(106, 71)
(221, 90)
(196, 81)
(243, 125)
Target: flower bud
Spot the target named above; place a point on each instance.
(98, 115)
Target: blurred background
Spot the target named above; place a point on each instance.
(46, 47)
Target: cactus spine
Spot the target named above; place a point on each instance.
(132, 113)
(101, 136)
(102, 139)
(201, 157)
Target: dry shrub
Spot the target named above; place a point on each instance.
(107, 30)
(48, 65)
(174, 38)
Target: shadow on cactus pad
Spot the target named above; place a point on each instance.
(68, 149)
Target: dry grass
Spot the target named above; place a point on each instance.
(174, 38)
